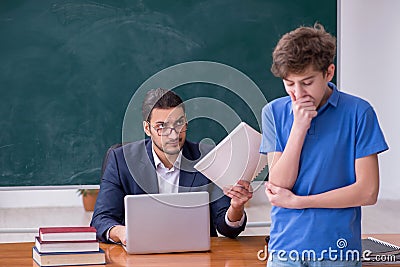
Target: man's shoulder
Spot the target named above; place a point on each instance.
(131, 148)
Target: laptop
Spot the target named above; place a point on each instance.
(164, 223)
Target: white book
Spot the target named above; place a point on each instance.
(68, 258)
(66, 246)
(235, 158)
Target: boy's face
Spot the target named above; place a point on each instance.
(310, 83)
(167, 141)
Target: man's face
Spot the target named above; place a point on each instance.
(310, 83)
(165, 139)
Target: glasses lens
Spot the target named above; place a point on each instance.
(168, 130)
(178, 128)
(164, 131)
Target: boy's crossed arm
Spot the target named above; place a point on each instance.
(361, 193)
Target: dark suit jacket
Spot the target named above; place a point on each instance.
(130, 170)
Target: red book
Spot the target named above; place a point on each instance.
(66, 246)
(70, 233)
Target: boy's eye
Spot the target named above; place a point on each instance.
(307, 83)
(289, 84)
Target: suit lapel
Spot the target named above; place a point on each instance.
(144, 173)
(186, 180)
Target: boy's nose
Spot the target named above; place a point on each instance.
(299, 92)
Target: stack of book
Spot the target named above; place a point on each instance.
(58, 246)
(379, 252)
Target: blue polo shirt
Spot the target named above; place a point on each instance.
(345, 129)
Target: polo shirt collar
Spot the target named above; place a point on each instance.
(332, 100)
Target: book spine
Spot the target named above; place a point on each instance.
(51, 230)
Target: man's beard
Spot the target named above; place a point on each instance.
(166, 151)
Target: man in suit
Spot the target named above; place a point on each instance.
(163, 163)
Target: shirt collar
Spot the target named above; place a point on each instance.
(157, 161)
(332, 100)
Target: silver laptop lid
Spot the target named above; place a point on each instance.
(162, 223)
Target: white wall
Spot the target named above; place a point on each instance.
(40, 198)
(369, 66)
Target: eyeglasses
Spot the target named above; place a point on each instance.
(180, 126)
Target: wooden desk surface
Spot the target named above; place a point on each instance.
(242, 251)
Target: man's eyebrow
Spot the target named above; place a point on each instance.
(163, 122)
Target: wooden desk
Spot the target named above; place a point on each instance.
(224, 252)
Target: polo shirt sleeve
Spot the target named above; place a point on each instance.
(269, 142)
(369, 136)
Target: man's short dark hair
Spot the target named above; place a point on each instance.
(160, 98)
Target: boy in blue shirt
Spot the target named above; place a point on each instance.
(322, 147)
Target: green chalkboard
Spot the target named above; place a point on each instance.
(68, 70)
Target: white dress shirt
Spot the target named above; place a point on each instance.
(168, 179)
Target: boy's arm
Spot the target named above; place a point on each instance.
(284, 166)
(361, 193)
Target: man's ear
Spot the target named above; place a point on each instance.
(330, 72)
(146, 128)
